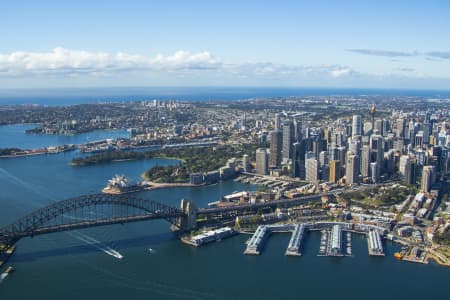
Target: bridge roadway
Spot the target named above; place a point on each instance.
(94, 223)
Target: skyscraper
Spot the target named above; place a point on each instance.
(352, 168)
(312, 170)
(356, 125)
(275, 148)
(365, 161)
(428, 178)
(335, 171)
(288, 137)
(261, 161)
(376, 150)
(277, 122)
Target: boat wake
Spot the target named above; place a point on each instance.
(99, 245)
(3, 276)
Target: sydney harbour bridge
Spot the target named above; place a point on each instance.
(105, 209)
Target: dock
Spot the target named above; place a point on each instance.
(374, 243)
(296, 240)
(335, 244)
(209, 236)
(257, 240)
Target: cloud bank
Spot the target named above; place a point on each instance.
(67, 67)
(73, 62)
(396, 54)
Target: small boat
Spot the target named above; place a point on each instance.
(151, 250)
(9, 270)
(398, 255)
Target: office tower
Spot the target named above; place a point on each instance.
(411, 171)
(277, 122)
(356, 125)
(365, 161)
(288, 137)
(297, 130)
(341, 155)
(386, 127)
(428, 178)
(352, 168)
(400, 127)
(323, 158)
(419, 139)
(404, 160)
(276, 143)
(354, 146)
(298, 168)
(372, 113)
(245, 163)
(376, 148)
(378, 127)
(261, 161)
(335, 171)
(375, 172)
(312, 170)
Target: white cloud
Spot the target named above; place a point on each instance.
(61, 61)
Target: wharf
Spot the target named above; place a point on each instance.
(374, 244)
(257, 240)
(296, 240)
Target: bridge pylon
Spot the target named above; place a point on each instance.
(189, 220)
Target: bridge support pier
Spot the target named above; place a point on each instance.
(189, 221)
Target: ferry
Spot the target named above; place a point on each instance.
(120, 184)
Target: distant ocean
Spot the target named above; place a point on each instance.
(73, 96)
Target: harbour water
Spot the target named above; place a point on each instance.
(85, 264)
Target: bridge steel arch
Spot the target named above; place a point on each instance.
(36, 222)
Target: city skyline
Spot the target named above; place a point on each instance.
(181, 43)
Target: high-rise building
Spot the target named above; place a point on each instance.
(365, 161)
(245, 163)
(312, 170)
(288, 138)
(404, 160)
(376, 150)
(298, 161)
(276, 143)
(400, 127)
(262, 167)
(277, 122)
(352, 168)
(374, 172)
(297, 130)
(428, 178)
(410, 172)
(356, 125)
(335, 171)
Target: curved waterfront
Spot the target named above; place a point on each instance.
(75, 264)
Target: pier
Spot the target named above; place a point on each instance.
(256, 241)
(335, 244)
(296, 240)
(374, 243)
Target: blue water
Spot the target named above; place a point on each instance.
(65, 266)
(71, 96)
(15, 136)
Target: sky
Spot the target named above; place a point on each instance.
(361, 44)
